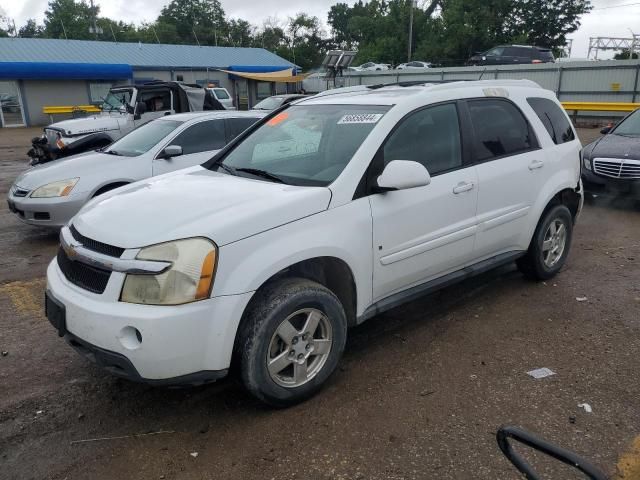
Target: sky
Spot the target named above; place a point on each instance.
(611, 18)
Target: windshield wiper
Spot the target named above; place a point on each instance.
(226, 168)
(261, 173)
(112, 152)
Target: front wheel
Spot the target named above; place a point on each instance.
(549, 246)
(291, 341)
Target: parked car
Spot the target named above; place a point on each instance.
(369, 66)
(276, 101)
(123, 109)
(611, 164)
(513, 54)
(316, 218)
(222, 95)
(49, 195)
(413, 65)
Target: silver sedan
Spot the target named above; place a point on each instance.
(50, 194)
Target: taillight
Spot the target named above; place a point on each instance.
(536, 61)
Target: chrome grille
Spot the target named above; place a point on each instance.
(617, 168)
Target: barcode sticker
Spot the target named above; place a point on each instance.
(360, 118)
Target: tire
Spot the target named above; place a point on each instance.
(266, 334)
(548, 251)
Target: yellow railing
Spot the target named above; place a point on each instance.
(600, 106)
(66, 109)
(51, 110)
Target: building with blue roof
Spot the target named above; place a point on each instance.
(38, 72)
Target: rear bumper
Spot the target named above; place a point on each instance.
(611, 187)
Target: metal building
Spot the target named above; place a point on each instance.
(49, 72)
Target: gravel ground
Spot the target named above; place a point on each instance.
(419, 394)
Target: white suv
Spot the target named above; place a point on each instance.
(320, 216)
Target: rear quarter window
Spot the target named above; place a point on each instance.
(553, 118)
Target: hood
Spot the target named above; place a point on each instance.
(195, 202)
(90, 166)
(95, 123)
(615, 146)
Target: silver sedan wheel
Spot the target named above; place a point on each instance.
(299, 348)
(555, 241)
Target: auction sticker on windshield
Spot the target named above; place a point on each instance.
(360, 118)
(278, 118)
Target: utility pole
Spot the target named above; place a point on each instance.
(64, 30)
(412, 5)
(93, 19)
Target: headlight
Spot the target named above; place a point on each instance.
(586, 162)
(189, 279)
(61, 188)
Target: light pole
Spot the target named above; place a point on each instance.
(412, 5)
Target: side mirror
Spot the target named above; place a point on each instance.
(141, 108)
(171, 151)
(606, 130)
(401, 175)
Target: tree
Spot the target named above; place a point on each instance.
(204, 19)
(240, 33)
(624, 55)
(68, 19)
(546, 23)
(306, 43)
(31, 30)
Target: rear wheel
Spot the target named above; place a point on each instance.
(549, 246)
(291, 341)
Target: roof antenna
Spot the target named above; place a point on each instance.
(482, 73)
(196, 36)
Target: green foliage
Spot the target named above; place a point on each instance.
(68, 18)
(624, 55)
(31, 30)
(449, 31)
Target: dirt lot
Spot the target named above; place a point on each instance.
(419, 394)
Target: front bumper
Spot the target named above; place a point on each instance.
(612, 187)
(46, 212)
(178, 343)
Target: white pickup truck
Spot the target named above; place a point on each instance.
(325, 213)
(123, 109)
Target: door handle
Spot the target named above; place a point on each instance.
(536, 164)
(463, 187)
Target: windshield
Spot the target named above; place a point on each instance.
(270, 103)
(305, 144)
(116, 99)
(143, 138)
(221, 93)
(630, 126)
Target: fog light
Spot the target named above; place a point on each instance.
(130, 338)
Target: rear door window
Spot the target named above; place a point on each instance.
(235, 126)
(553, 119)
(500, 129)
(202, 137)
